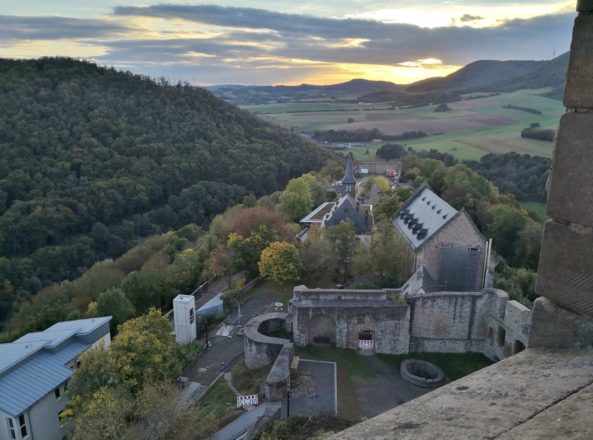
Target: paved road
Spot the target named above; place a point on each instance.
(225, 351)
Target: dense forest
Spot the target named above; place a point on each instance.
(522, 175)
(92, 159)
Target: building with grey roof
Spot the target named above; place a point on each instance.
(347, 208)
(34, 373)
(444, 242)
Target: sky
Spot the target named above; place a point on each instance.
(286, 41)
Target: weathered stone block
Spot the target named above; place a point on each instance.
(585, 5)
(565, 273)
(579, 90)
(571, 192)
(555, 327)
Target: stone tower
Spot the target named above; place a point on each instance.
(348, 182)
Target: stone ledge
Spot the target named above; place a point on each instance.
(565, 273)
(493, 402)
(555, 327)
(578, 91)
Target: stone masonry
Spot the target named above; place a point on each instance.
(450, 322)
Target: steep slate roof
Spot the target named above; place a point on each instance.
(316, 216)
(422, 216)
(32, 366)
(349, 172)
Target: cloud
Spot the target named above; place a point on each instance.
(206, 43)
(53, 28)
(323, 39)
(467, 17)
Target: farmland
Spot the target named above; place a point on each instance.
(473, 128)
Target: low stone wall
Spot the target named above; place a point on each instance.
(421, 373)
(262, 350)
(278, 379)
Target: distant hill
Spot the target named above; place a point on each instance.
(499, 76)
(480, 76)
(93, 159)
(245, 95)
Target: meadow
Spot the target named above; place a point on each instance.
(471, 129)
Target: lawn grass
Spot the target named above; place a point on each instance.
(248, 381)
(536, 208)
(455, 365)
(218, 403)
(350, 365)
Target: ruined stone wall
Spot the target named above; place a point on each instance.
(461, 232)
(449, 322)
(388, 323)
(261, 350)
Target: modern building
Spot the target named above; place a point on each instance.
(34, 374)
(444, 244)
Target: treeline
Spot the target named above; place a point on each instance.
(533, 111)
(397, 151)
(538, 133)
(92, 160)
(363, 135)
(522, 175)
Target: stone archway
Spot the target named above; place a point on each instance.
(322, 330)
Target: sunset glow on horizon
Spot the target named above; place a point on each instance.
(258, 42)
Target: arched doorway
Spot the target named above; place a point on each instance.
(322, 330)
(366, 341)
(518, 347)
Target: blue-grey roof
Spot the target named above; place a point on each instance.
(22, 387)
(34, 364)
(214, 304)
(422, 216)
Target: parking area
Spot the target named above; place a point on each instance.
(314, 390)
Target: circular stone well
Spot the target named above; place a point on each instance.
(422, 373)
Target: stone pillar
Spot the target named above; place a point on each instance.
(565, 279)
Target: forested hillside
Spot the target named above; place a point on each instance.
(91, 159)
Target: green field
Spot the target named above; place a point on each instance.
(473, 127)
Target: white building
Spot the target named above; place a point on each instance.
(34, 374)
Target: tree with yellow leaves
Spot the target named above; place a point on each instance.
(280, 262)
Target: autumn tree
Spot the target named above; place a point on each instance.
(145, 350)
(251, 219)
(316, 255)
(386, 260)
(343, 241)
(300, 196)
(281, 262)
(221, 263)
(114, 303)
(389, 202)
(246, 251)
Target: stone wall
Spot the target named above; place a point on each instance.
(261, 350)
(461, 232)
(451, 322)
